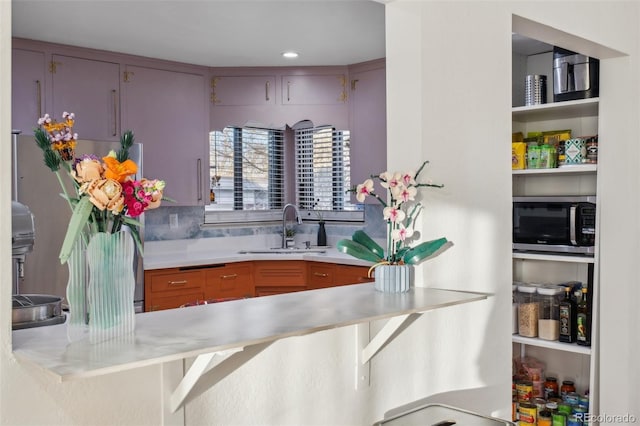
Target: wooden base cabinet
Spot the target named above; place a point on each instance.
(276, 277)
(231, 281)
(172, 288)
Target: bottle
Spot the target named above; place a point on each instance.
(583, 328)
(567, 315)
(566, 388)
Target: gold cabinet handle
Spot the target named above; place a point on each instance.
(177, 283)
(320, 274)
(199, 178)
(266, 90)
(115, 112)
(39, 97)
(228, 277)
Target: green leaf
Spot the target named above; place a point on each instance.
(362, 238)
(79, 219)
(357, 250)
(426, 250)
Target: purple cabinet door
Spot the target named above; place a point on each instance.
(166, 110)
(28, 89)
(368, 127)
(314, 89)
(243, 90)
(91, 90)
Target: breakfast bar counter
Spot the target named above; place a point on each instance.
(240, 328)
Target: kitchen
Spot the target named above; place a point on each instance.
(408, 112)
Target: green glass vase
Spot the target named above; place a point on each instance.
(78, 317)
(111, 285)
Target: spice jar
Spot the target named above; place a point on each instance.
(549, 298)
(566, 388)
(528, 308)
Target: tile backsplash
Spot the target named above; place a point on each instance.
(189, 226)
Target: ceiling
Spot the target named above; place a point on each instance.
(212, 32)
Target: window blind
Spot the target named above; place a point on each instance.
(323, 168)
(247, 168)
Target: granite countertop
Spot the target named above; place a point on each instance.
(207, 251)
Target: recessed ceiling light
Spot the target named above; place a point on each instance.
(290, 54)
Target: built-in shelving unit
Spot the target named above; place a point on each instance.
(565, 360)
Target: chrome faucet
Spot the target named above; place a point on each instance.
(284, 221)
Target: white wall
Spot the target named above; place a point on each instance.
(449, 102)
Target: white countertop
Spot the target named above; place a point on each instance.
(175, 334)
(207, 251)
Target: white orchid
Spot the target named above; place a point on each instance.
(364, 189)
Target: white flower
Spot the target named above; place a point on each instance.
(364, 189)
(401, 233)
(393, 214)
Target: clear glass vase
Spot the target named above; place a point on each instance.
(111, 285)
(78, 318)
(393, 278)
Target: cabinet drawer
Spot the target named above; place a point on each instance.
(234, 280)
(280, 273)
(321, 275)
(347, 274)
(175, 280)
(172, 300)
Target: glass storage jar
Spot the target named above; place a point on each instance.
(514, 309)
(528, 308)
(549, 298)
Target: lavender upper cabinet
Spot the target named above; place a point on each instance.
(28, 89)
(368, 124)
(314, 89)
(243, 90)
(91, 90)
(166, 110)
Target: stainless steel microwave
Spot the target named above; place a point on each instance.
(561, 224)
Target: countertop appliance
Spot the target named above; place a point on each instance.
(37, 187)
(575, 76)
(563, 224)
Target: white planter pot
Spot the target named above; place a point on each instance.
(393, 278)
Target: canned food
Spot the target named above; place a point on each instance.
(573, 420)
(572, 398)
(524, 390)
(565, 408)
(559, 419)
(544, 418)
(528, 413)
(583, 401)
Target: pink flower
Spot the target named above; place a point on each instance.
(407, 179)
(393, 214)
(364, 189)
(405, 194)
(401, 233)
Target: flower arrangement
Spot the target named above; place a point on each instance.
(400, 213)
(105, 196)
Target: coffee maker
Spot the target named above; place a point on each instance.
(575, 76)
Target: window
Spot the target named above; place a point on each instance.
(252, 178)
(323, 169)
(246, 169)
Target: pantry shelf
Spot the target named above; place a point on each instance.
(552, 344)
(556, 110)
(571, 258)
(577, 169)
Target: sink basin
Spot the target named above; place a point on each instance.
(278, 250)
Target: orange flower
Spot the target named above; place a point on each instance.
(118, 171)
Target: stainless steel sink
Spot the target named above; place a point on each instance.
(278, 250)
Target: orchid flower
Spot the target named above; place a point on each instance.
(407, 178)
(393, 214)
(405, 194)
(401, 233)
(363, 190)
(390, 180)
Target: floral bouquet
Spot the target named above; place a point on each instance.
(105, 195)
(399, 213)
